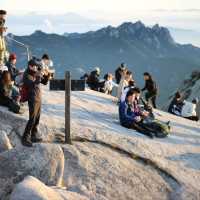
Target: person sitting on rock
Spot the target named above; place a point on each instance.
(9, 94)
(11, 64)
(130, 115)
(151, 87)
(109, 84)
(126, 77)
(133, 117)
(33, 76)
(176, 105)
(93, 80)
(189, 110)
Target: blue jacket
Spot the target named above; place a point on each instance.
(126, 114)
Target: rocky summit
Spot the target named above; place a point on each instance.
(105, 162)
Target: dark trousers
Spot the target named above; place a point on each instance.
(10, 103)
(150, 96)
(34, 119)
(140, 127)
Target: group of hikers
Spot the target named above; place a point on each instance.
(19, 86)
(134, 111)
(124, 81)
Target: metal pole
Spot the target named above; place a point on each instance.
(67, 107)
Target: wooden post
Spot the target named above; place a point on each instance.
(67, 107)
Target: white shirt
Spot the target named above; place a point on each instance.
(108, 86)
(123, 83)
(124, 93)
(189, 109)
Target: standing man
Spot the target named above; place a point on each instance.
(118, 72)
(151, 87)
(3, 49)
(33, 76)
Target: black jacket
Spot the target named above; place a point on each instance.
(118, 75)
(150, 86)
(175, 106)
(93, 80)
(32, 82)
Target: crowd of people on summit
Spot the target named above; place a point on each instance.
(19, 86)
(133, 109)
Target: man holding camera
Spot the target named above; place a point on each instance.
(33, 76)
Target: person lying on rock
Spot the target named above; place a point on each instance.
(132, 117)
(9, 94)
(189, 110)
(32, 78)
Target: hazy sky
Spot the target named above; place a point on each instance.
(101, 5)
(59, 16)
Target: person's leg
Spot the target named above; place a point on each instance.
(34, 131)
(141, 129)
(147, 96)
(26, 139)
(153, 100)
(193, 118)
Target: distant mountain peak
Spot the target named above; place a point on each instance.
(38, 33)
(132, 27)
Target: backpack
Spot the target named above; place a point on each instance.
(24, 93)
(159, 128)
(162, 129)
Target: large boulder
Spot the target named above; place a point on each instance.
(33, 189)
(5, 144)
(43, 161)
(14, 126)
(103, 171)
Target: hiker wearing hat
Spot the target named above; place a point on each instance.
(33, 76)
(119, 71)
(93, 79)
(3, 49)
(11, 64)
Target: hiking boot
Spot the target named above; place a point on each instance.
(36, 140)
(27, 143)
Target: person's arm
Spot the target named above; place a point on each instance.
(145, 87)
(30, 81)
(45, 79)
(123, 109)
(114, 84)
